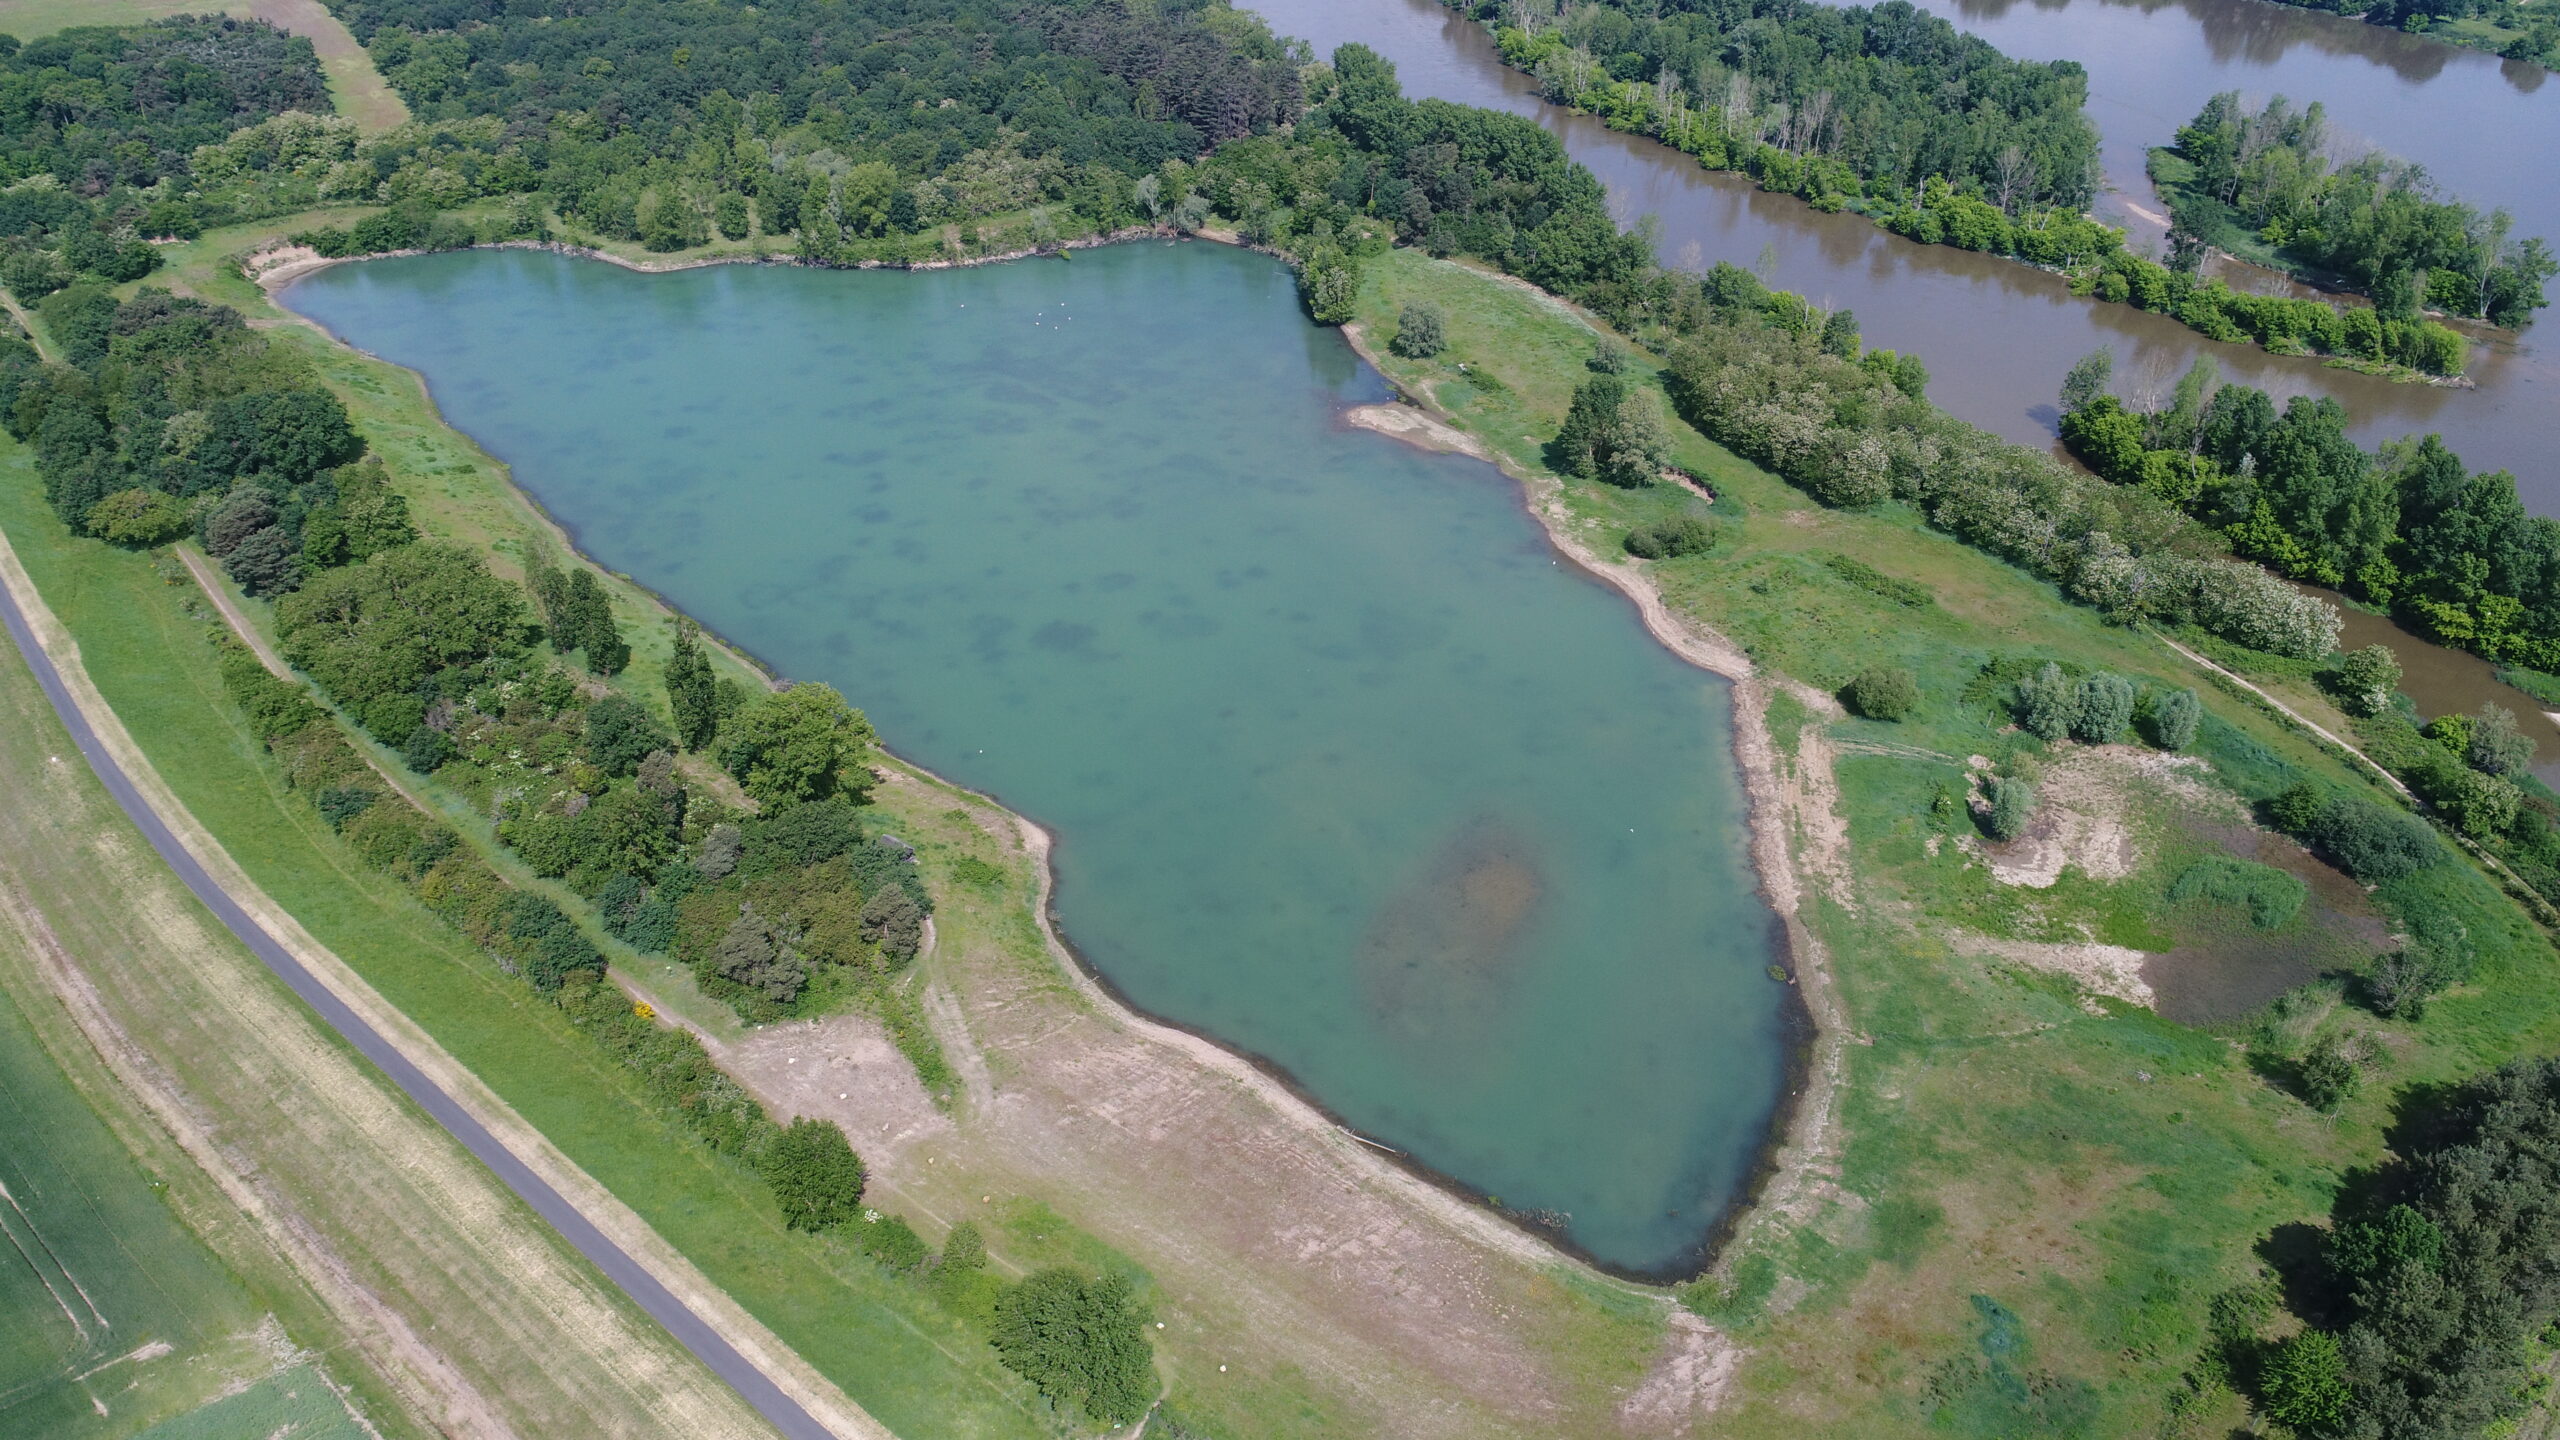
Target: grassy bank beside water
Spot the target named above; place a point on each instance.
(2037, 1195)
(2039, 1192)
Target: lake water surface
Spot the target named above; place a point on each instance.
(1346, 769)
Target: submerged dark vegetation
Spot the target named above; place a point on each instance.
(727, 829)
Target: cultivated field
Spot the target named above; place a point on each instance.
(477, 1318)
(114, 1315)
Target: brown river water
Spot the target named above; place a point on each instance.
(1997, 335)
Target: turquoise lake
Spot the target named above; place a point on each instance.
(1347, 769)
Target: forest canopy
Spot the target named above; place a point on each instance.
(2375, 222)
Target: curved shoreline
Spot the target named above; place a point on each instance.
(1800, 1127)
(1802, 1131)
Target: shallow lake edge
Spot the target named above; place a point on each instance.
(1801, 1130)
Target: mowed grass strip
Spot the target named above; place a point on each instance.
(914, 1367)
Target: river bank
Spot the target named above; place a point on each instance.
(1998, 336)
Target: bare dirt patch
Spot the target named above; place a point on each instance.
(2082, 822)
(2111, 970)
(1695, 1374)
(1397, 1304)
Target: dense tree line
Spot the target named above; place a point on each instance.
(592, 784)
(1838, 103)
(1768, 374)
(1939, 138)
(850, 132)
(2407, 528)
(96, 127)
(1851, 434)
(173, 417)
(2449, 1266)
(2376, 223)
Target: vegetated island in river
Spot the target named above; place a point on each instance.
(2525, 30)
(1936, 136)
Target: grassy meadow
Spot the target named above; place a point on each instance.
(2039, 1193)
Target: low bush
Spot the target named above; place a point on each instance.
(1669, 539)
(1882, 693)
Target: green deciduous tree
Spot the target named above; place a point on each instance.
(2172, 719)
(803, 744)
(138, 518)
(2044, 705)
(690, 692)
(1420, 333)
(382, 627)
(2101, 706)
(2497, 747)
(814, 1174)
(2367, 678)
(1081, 1340)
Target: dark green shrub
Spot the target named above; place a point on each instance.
(1420, 333)
(798, 835)
(2013, 804)
(1882, 692)
(814, 1174)
(340, 804)
(427, 749)
(275, 707)
(2372, 842)
(620, 735)
(1666, 539)
(889, 1240)
(1081, 1340)
(2326, 1075)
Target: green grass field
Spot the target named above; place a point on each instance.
(113, 1313)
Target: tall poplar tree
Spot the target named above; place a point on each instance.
(691, 695)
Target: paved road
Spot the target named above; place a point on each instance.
(689, 1329)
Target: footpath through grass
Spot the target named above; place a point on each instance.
(2040, 1194)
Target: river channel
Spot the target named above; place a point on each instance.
(1346, 768)
(1997, 336)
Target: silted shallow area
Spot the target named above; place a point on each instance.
(1347, 769)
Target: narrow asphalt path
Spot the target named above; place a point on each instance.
(689, 1328)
